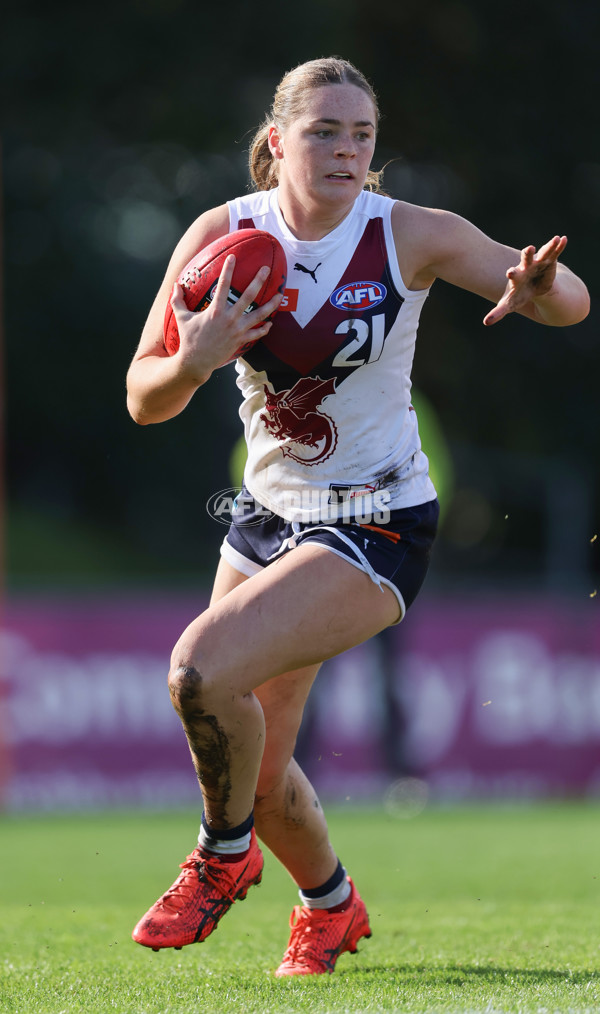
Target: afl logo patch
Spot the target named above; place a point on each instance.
(358, 295)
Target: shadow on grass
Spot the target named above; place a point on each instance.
(461, 974)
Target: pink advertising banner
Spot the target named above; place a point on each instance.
(470, 699)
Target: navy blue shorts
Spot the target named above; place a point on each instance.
(395, 554)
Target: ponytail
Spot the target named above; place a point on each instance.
(263, 169)
(374, 180)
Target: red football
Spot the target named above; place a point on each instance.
(253, 249)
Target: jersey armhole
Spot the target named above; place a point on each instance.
(413, 294)
(233, 215)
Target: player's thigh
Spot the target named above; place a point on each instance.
(306, 607)
(226, 579)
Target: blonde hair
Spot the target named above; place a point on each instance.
(288, 104)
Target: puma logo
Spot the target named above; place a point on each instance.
(307, 271)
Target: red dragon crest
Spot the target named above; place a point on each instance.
(293, 416)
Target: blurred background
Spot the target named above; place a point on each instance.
(121, 124)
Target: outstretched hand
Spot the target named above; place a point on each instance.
(532, 277)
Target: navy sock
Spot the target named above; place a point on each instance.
(332, 895)
(226, 842)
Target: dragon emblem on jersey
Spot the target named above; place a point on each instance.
(293, 416)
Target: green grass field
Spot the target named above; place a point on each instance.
(472, 909)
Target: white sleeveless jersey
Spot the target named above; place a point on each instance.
(327, 412)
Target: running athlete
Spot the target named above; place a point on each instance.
(335, 476)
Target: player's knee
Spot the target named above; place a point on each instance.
(270, 779)
(186, 688)
(274, 769)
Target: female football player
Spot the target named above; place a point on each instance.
(335, 477)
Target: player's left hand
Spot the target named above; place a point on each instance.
(532, 277)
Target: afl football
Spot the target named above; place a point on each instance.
(253, 249)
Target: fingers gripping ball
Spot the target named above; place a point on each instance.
(253, 249)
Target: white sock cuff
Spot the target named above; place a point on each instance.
(335, 897)
(222, 847)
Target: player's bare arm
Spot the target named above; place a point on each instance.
(438, 244)
(157, 387)
(160, 386)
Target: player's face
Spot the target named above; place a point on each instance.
(324, 155)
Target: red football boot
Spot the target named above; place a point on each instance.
(201, 895)
(319, 937)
